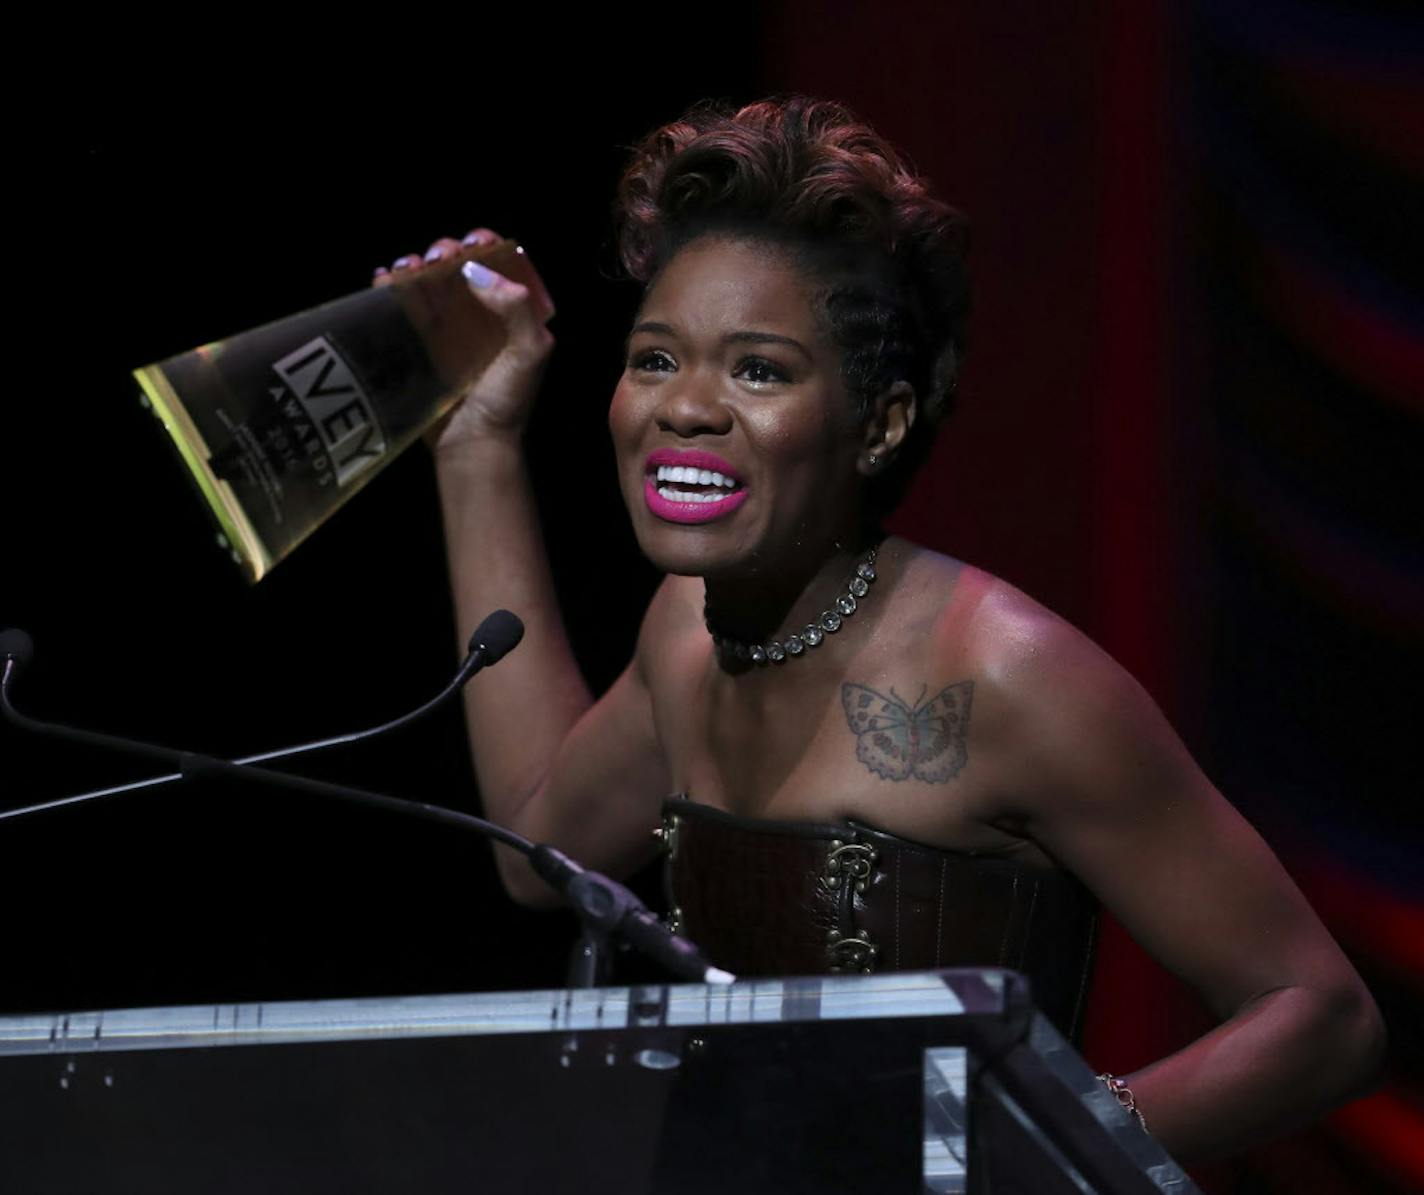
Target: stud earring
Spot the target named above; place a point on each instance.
(872, 460)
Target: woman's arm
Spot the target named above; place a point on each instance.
(1119, 802)
(552, 763)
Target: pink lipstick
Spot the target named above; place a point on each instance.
(691, 486)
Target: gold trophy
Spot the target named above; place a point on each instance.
(281, 425)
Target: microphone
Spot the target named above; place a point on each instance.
(17, 649)
(497, 636)
(493, 639)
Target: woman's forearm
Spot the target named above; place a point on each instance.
(1286, 1057)
(519, 716)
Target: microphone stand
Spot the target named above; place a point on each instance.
(603, 906)
(497, 635)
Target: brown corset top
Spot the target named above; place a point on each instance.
(800, 898)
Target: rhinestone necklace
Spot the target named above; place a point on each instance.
(813, 634)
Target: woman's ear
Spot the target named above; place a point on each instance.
(892, 415)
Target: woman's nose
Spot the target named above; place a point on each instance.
(692, 405)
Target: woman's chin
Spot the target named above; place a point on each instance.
(682, 560)
(689, 550)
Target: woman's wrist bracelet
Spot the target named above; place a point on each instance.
(1123, 1094)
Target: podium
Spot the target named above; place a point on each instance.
(938, 1082)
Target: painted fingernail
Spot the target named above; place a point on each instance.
(380, 272)
(404, 263)
(474, 238)
(434, 253)
(477, 275)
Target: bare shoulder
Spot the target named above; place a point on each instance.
(1055, 715)
(1028, 652)
(1008, 642)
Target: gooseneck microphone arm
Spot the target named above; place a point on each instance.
(194, 766)
(493, 639)
(604, 906)
(17, 649)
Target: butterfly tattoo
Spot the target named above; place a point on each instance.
(896, 740)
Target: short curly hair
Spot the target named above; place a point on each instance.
(887, 257)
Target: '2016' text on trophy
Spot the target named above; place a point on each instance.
(281, 425)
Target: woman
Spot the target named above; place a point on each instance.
(795, 350)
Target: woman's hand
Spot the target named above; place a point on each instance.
(500, 404)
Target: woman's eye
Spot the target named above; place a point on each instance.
(759, 371)
(652, 360)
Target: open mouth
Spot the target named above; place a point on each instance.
(679, 483)
(691, 486)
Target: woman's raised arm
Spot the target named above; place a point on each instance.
(552, 763)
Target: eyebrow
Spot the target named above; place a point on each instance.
(745, 337)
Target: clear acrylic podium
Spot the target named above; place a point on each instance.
(935, 1082)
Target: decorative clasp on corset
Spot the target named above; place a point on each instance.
(850, 859)
(847, 871)
(667, 834)
(856, 953)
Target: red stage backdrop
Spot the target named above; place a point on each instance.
(1095, 460)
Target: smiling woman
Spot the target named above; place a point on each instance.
(883, 757)
(727, 353)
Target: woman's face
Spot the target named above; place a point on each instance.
(736, 441)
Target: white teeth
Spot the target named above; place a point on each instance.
(673, 495)
(690, 476)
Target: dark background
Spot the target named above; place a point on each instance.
(1191, 424)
